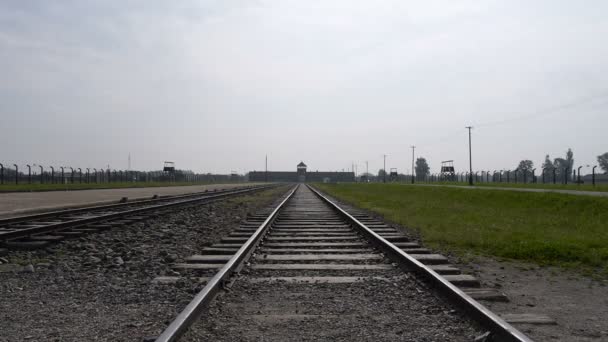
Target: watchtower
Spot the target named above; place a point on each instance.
(394, 175)
(169, 166)
(301, 172)
(447, 170)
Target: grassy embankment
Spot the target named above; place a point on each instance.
(84, 186)
(580, 187)
(545, 228)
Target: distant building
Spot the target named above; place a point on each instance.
(301, 175)
(600, 178)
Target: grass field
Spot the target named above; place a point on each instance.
(545, 228)
(84, 186)
(580, 187)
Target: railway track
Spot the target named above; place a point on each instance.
(309, 270)
(40, 230)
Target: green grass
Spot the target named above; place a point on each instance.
(545, 228)
(84, 186)
(580, 187)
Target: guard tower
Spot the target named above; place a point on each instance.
(169, 168)
(394, 175)
(301, 172)
(447, 170)
(234, 177)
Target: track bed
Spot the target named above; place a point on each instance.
(313, 277)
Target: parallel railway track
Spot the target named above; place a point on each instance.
(38, 230)
(308, 239)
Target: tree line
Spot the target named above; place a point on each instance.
(562, 166)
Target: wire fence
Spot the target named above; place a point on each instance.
(38, 174)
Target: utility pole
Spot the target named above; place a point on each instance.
(384, 181)
(366, 169)
(266, 170)
(413, 148)
(470, 157)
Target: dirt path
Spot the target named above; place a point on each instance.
(20, 203)
(561, 191)
(578, 304)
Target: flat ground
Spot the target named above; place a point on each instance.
(12, 204)
(545, 251)
(600, 187)
(578, 304)
(545, 228)
(9, 186)
(99, 287)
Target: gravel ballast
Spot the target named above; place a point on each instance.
(372, 310)
(99, 287)
(341, 296)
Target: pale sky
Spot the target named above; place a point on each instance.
(217, 85)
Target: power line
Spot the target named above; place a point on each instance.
(540, 113)
(547, 111)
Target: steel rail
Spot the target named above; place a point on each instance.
(503, 331)
(25, 232)
(26, 218)
(195, 308)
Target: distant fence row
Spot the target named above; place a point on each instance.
(547, 176)
(37, 174)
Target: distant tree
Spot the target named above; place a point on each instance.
(422, 168)
(570, 159)
(381, 173)
(525, 166)
(603, 161)
(563, 166)
(547, 164)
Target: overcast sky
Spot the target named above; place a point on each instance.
(216, 85)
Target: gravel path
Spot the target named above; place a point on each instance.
(399, 310)
(99, 287)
